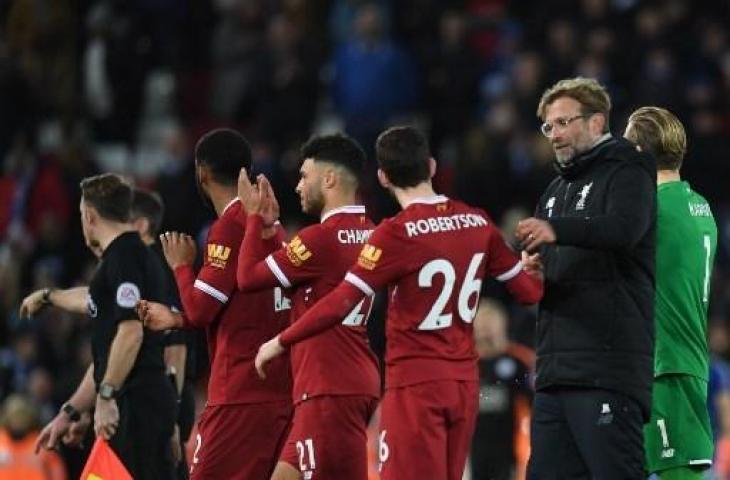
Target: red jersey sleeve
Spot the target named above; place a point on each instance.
(303, 258)
(204, 297)
(252, 272)
(326, 313)
(505, 266)
(380, 260)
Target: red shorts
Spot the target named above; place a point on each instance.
(239, 441)
(426, 430)
(328, 437)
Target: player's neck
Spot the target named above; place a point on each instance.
(665, 176)
(337, 201)
(221, 197)
(406, 196)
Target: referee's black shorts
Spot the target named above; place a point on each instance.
(147, 414)
(585, 433)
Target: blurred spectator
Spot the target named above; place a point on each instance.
(18, 433)
(375, 79)
(500, 448)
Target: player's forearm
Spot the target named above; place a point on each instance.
(71, 299)
(83, 398)
(526, 288)
(175, 359)
(123, 352)
(199, 307)
(325, 314)
(252, 273)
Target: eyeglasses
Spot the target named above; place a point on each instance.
(547, 128)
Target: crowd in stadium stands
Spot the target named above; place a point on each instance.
(128, 85)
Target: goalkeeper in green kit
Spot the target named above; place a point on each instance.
(678, 439)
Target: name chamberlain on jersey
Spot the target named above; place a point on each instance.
(444, 224)
(353, 236)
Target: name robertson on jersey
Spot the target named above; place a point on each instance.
(444, 224)
(353, 236)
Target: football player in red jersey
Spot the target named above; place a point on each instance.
(336, 378)
(244, 424)
(432, 256)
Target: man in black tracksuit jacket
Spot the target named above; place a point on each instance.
(595, 232)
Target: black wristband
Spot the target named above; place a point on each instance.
(72, 413)
(46, 297)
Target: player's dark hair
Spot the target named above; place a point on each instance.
(109, 194)
(403, 154)
(148, 205)
(224, 151)
(338, 149)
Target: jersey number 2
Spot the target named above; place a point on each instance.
(437, 319)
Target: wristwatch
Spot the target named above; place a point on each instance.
(72, 413)
(107, 391)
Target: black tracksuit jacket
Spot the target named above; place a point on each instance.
(596, 321)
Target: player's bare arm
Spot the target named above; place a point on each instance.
(122, 354)
(80, 402)
(70, 300)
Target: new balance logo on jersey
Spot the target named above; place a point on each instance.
(281, 303)
(218, 255)
(444, 224)
(369, 256)
(297, 252)
(583, 195)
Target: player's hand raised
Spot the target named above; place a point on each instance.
(267, 352)
(269, 209)
(248, 194)
(179, 249)
(157, 316)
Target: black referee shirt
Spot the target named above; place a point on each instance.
(128, 272)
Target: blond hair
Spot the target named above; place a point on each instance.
(659, 132)
(591, 95)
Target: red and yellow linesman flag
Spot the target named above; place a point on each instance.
(103, 464)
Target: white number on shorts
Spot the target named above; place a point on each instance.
(383, 449)
(663, 432)
(198, 444)
(436, 318)
(356, 317)
(306, 449)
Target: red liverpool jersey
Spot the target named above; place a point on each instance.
(237, 323)
(433, 256)
(339, 361)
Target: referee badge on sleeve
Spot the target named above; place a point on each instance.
(128, 295)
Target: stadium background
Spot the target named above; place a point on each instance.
(128, 85)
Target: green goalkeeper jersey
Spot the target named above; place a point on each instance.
(685, 253)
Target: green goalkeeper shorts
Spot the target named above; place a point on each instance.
(678, 433)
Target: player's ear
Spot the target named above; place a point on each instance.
(329, 177)
(383, 179)
(431, 167)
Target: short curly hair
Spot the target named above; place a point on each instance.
(592, 96)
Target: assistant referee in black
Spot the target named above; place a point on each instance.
(134, 402)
